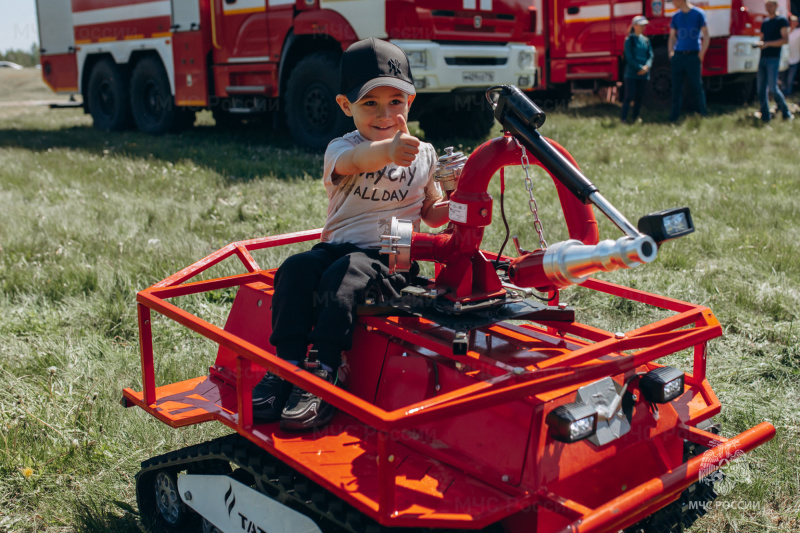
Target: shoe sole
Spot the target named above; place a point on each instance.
(306, 425)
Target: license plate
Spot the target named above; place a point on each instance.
(477, 77)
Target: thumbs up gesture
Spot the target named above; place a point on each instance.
(404, 146)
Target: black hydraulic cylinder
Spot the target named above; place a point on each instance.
(521, 117)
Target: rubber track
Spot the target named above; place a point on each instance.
(679, 516)
(275, 479)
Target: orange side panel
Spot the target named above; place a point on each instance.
(343, 458)
(60, 72)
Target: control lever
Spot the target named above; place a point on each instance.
(520, 251)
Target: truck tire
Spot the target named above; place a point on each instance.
(312, 114)
(659, 93)
(152, 103)
(453, 117)
(108, 97)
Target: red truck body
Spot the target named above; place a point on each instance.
(278, 58)
(258, 56)
(580, 43)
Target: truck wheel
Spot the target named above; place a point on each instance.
(152, 103)
(471, 118)
(312, 114)
(108, 97)
(659, 95)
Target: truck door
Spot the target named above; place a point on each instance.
(191, 85)
(56, 33)
(241, 31)
(582, 29)
(57, 44)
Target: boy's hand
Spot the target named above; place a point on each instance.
(404, 146)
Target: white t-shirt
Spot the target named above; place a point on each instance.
(361, 206)
(794, 46)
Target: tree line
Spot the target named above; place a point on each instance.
(29, 58)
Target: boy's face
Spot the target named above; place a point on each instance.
(375, 115)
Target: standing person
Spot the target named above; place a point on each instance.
(371, 174)
(688, 42)
(794, 56)
(638, 61)
(774, 34)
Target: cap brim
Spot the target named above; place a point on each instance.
(357, 93)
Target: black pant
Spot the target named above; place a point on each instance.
(634, 90)
(316, 294)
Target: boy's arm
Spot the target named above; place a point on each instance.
(435, 216)
(372, 156)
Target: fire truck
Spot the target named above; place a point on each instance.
(580, 43)
(152, 63)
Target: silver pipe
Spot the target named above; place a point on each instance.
(572, 262)
(613, 215)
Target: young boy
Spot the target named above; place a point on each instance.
(370, 175)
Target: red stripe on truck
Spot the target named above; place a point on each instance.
(118, 31)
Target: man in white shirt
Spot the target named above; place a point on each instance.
(794, 57)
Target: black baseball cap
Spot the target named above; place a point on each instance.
(374, 63)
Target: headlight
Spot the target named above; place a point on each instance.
(525, 60)
(418, 59)
(662, 385)
(741, 49)
(668, 224)
(572, 422)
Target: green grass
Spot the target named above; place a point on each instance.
(87, 219)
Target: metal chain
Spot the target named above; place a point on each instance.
(537, 224)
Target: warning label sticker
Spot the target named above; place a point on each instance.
(458, 212)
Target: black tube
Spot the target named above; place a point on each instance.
(521, 117)
(572, 178)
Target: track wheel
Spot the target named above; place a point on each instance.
(152, 103)
(107, 97)
(312, 114)
(208, 527)
(160, 504)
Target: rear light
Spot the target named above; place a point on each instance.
(662, 385)
(572, 422)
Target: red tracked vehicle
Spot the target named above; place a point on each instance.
(458, 419)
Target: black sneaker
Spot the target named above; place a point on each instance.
(304, 410)
(269, 397)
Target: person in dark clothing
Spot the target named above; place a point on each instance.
(687, 45)
(638, 61)
(774, 34)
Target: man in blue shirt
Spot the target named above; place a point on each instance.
(687, 46)
(774, 34)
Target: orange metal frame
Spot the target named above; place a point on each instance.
(691, 326)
